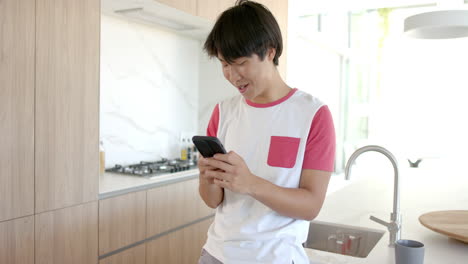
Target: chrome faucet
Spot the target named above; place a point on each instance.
(394, 226)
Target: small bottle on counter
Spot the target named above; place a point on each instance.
(183, 150)
(189, 152)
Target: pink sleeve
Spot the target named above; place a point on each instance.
(321, 145)
(212, 129)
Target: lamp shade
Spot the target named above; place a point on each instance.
(442, 24)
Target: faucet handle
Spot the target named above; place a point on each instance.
(391, 226)
(382, 222)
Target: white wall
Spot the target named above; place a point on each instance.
(149, 91)
(213, 89)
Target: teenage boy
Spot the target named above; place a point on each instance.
(282, 142)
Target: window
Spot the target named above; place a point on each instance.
(373, 79)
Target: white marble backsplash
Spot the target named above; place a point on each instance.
(149, 91)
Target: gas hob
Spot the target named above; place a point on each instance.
(154, 168)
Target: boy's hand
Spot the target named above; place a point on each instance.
(203, 167)
(232, 174)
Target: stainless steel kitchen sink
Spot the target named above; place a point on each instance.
(342, 239)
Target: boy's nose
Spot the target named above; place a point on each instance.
(235, 77)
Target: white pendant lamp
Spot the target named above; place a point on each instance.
(441, 24)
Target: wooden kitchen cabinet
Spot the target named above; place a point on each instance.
(211, 9)
(17, 34)
(279, 8)
(174, 205)
(188, 6)
(67, 103)
(17, 241)
(134, 255)
(49, 94)
(179, 247)
(68, 235)
(122, 221)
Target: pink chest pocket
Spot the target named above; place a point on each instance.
(283, 151)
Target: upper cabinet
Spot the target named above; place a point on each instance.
(189, 6)
(16, 108)
(279, 8)
(67, 102)
(211, 9)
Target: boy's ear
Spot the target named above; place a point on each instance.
(271, 53)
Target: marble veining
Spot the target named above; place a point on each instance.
(149, 91)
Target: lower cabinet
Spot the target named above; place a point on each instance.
(179, 247)
(17, 241)
(68, 235)
(174, 211)
(134, 255)
(122, 221)
(174, 205)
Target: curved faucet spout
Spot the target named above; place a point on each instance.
(395, 225)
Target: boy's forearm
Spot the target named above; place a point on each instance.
(293, 202)
(211, 194)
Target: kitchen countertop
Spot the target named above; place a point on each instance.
(114, 184)
(425, 189)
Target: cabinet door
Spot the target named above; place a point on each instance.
(17, 241)
(68, 235)
(211, 9)
(67, 97)
(16, 108)
(279, 8)
(134, 255)
(189, 6)
(174, 205)
(182, 246)
(122, 221)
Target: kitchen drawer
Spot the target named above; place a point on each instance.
(174, 205)
(134, 255)
(122, 221)
(182, 246)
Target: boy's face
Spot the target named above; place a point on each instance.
(249, 75)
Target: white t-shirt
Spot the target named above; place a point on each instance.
(276, 140)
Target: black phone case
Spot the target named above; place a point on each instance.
(208, 146)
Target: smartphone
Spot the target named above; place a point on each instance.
(208, 146)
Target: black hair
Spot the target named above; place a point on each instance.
(242, 30)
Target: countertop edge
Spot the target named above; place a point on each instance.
(335, 183)
(150, 185)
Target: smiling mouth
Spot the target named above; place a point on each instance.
(243, 88)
